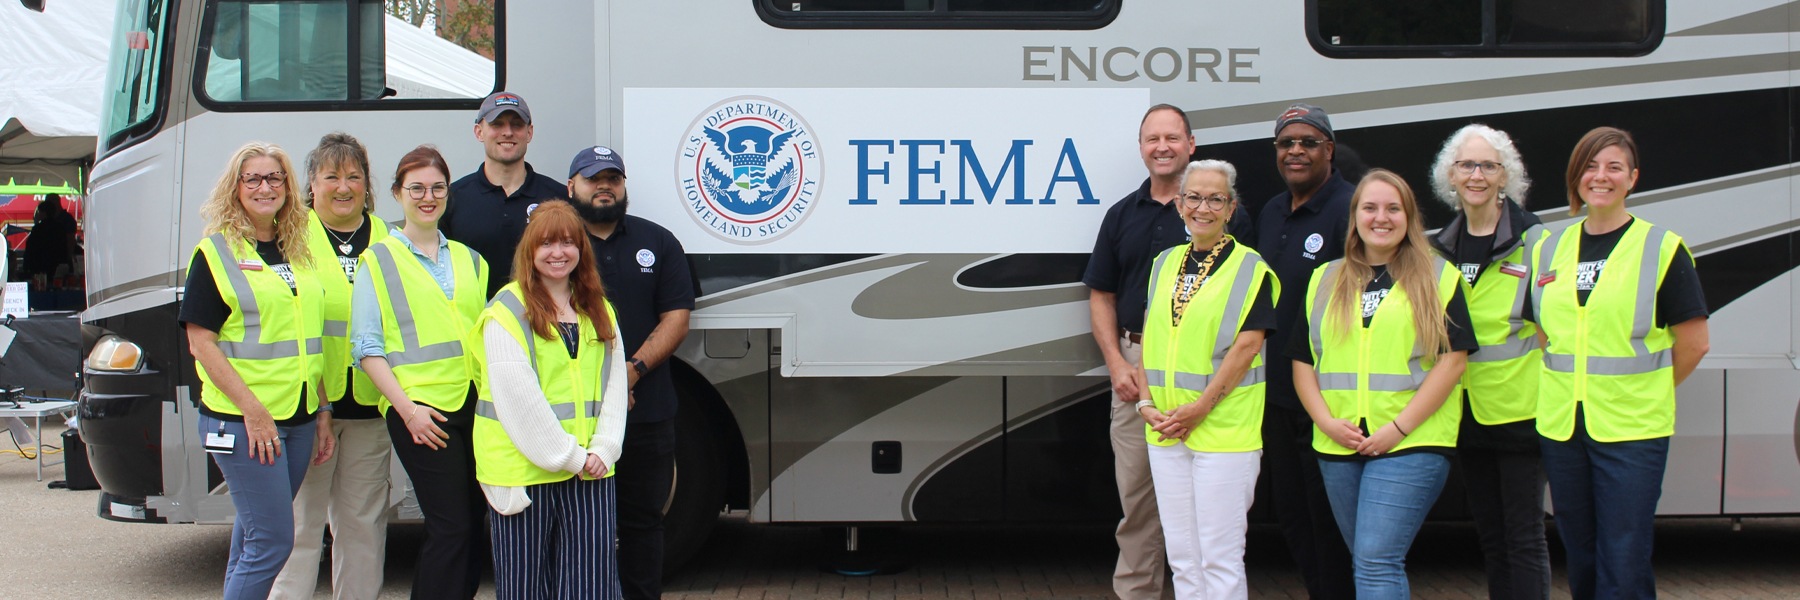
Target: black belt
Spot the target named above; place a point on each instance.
(1132, 336)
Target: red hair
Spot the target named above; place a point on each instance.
(556, 220)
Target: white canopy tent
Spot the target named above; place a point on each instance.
(53, 75)
(50, 83)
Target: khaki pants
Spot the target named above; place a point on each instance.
(351, 492)
(1140, 572)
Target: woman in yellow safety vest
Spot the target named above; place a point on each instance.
(350, 490)
(1387, 336)
(1624, 317)
(1211, 301)
(253, 311)
(551, 417)
(1480, 174)
(413, 308)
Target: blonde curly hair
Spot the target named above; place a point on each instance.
(224, 211)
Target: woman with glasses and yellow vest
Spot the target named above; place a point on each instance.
(351, 489)
(1624, 318)
(1480, 174)
(254, 314)
(413, 310)
(1211, 302)
(551, 417)
(1387, 336)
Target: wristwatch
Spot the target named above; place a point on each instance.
(639, 366)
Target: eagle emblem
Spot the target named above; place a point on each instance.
(751, 149)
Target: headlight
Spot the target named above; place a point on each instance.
(114, 354)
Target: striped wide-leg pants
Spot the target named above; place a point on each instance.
(561, 547)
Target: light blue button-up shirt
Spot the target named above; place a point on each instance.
(366, 334)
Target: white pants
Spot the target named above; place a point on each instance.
(1203, 498)
(351, 492)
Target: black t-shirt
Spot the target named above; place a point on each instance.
(201, 304)
(489, 221)
(646, 273)
(347, 248)
(1462, 336)
(1678, 299)
(1295, 242)
(1262, 307)
(1472, 252)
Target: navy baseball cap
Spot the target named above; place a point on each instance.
(593, 160)
(501, 102)
(1308, 114)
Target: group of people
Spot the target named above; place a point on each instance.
(506, 342)
(1336, 347)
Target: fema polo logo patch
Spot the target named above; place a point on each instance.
(749, 170)
(645, 257)
(1314, 242)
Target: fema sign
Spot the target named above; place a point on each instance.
(748, 170)
(882, 170)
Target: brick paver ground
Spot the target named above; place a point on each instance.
(1696, 558)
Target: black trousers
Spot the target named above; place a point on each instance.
(1301, 505)
(1506, 499)
(455, 548)
(646, 472)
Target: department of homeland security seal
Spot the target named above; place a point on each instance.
(749, 170)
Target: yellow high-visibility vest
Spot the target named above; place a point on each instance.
(1501, 377)
(425, 334)
(1179, 361)
(571, 386)
(1607, 357)
(337, 312)
(1371, 373)
(272, 338)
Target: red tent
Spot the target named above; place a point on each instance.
(16, 213)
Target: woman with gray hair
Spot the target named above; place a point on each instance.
(1212, 300)
(1480, 174)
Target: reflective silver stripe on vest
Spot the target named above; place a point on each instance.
(337, 328)
(1196, 383)
(1378, 382)
(564, 412)
(1642, 320)
(515, 306)
(1510, 349)
(250, 348)
(1316, 316)
(1330, 382)
(1156, 278)
(1234, 307)
(410, 353)
(1545, 261)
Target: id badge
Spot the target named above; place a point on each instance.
(220, 443)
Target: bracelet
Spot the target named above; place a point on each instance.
(1143, 404)
(1396, 423)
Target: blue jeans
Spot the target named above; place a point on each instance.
(262, 534)
(1605, 498)
(1379, 505)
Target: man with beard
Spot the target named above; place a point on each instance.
(488, 208)
(646, 275)
(1298, 230)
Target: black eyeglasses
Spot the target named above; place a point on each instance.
(1215, 202)
(1289, 143)
(1488, 168)
(275, 180)
(418, 191)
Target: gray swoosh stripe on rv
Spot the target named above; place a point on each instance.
(1505, 86)
(1774, 19)
(1556, 216)
(896, 297)
(933, 273)
(1023, 361)
(989, 435)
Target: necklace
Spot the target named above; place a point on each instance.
(343, 242)
(1187, 287)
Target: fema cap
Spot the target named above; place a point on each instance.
(1308, 114)
(501, 102)
(594, 160)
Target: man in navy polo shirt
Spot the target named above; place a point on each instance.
(646, 275)
(488, 208)
(1298, 230)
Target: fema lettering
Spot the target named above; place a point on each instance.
(748, 169)
(923, 168)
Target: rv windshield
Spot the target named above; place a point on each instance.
(134, 73)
